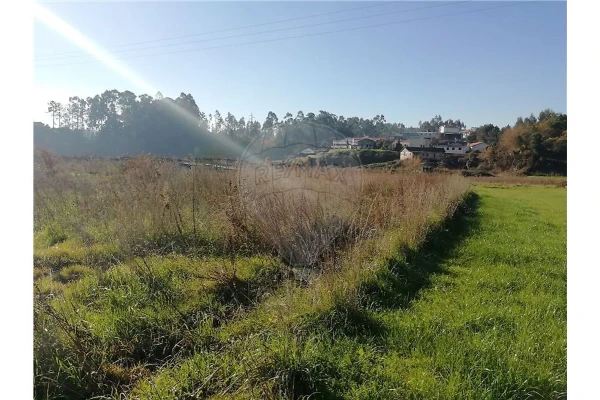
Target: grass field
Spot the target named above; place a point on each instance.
(427, 301)
(478, 312)
(493, 323)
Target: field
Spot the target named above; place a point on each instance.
(156, 282)
(559, 181)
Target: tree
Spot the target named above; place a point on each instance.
(210, 122)
(231, 125)
(187, 103)
(54, 109)
(218, 122)
(380, 125)
(487, 133)
(61, 113)
(531, 119)
(537, 151)
(270, 123)
(546, 114)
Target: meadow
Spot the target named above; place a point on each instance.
(153, 281)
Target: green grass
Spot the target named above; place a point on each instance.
(493, 322)
(477, 312)
(102, 328)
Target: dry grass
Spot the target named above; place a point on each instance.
(148, 205)
(332, 232)
(559, 181)
(138, 205)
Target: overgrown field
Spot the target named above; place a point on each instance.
(152, 281)
(559, 181)
(143, 269)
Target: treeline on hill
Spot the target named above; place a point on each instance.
(121, 123)
(533, 145)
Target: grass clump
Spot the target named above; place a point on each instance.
(71, 252)
(127, 320)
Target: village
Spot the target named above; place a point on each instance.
(428, 146)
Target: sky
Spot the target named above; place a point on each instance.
(456, 59)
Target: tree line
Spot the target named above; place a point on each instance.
(533, 144)
(117, 123)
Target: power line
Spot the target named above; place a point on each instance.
(270, 31)
(234, 29)
(303, 35)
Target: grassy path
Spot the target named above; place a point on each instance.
(492, 322)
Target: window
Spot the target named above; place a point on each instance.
(460, 148)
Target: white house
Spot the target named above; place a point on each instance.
(454, 147)
(353, 143)
(447, 129)
(424, 153)
(419, 139)
(342, 143)
(409, 135)
(478, 146)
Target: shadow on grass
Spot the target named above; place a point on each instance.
(407, 274)
(401, 280)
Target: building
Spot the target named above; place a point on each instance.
(449, 134)
(424, 153)
(454, 147)
(342, 143)
(365, 143)
(420, 141)
(354, 143)
(448, 130)
(478, 146)
(411, 135)
(307, 152)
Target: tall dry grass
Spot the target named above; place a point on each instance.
(560, 181)
(139, 204)
(392, 216)
(304, 215)
(336, 225)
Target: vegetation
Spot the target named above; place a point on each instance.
(518, 180)
(468, 315)
(157, 281)
(534, 145)
(121, 123)
(142, 267)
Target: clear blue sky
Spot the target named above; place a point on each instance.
(481, 67)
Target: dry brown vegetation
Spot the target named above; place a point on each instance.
(560, 181)
(141, 262)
